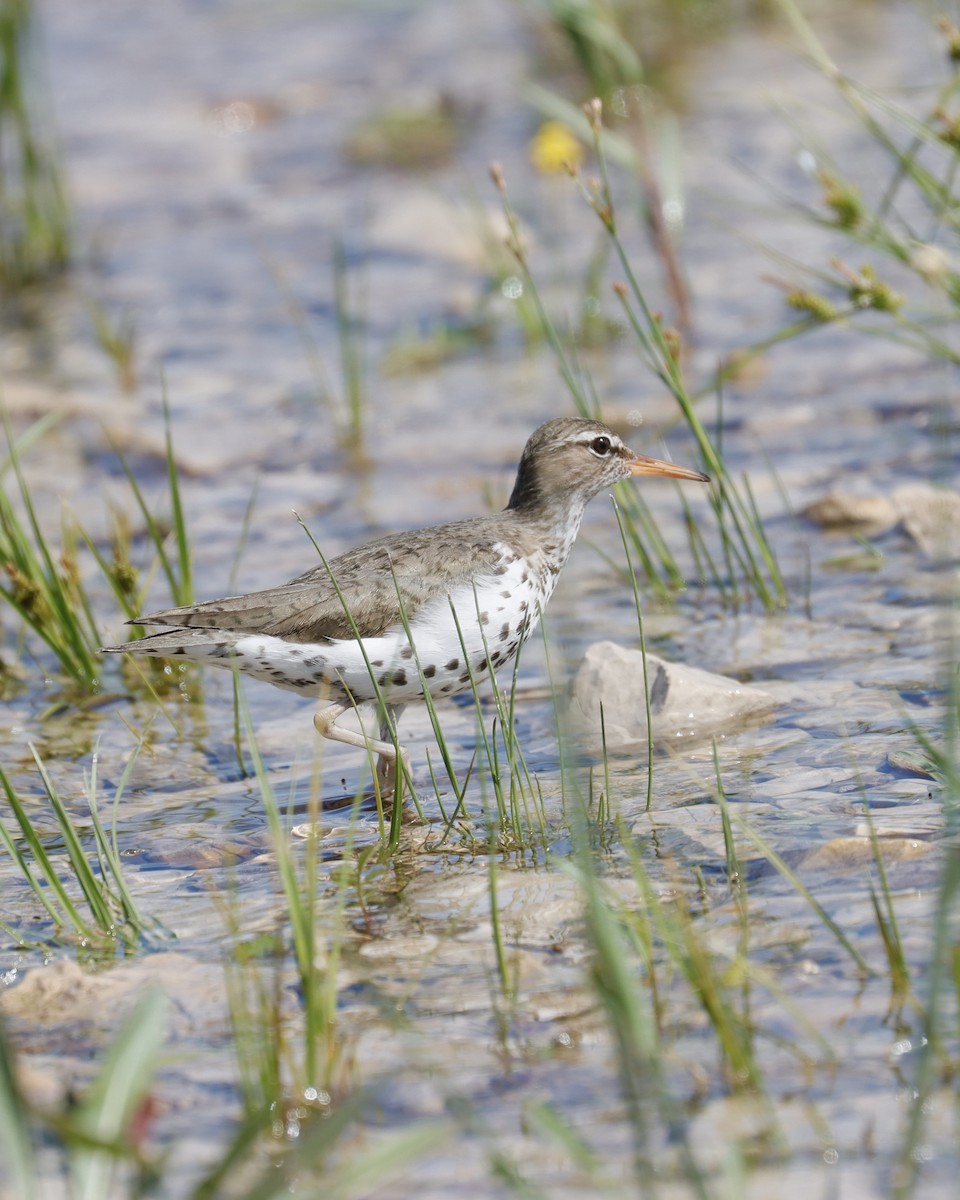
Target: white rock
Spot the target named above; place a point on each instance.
(685, 702)
(931, 515)
(842, 510)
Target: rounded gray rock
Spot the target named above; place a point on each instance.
(685, 702)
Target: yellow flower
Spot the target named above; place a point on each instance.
(553, 147)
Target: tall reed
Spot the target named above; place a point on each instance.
(744, 560)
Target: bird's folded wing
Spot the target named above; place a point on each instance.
(308, 610)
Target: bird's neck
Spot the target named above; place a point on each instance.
(549, 509)
(550, 522)
(538, 495)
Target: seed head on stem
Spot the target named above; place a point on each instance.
(593, 111)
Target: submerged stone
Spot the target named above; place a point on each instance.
(844, 853)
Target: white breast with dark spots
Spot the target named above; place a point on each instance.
(493, 617)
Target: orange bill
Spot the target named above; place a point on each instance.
(641, 465)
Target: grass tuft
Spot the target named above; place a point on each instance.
(84, 893)
(317, 979)
(43, 584)
(46, 585)
(34, 216)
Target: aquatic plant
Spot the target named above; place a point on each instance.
(97, 1132)
(45, 584)
(689, 972)
(935, 990)
(520, 820)
(178, 571)
(902, 226)
(100, 1142)
(348, 410)
(610, 44)
(63, 883)
(747, 559)
(117, 338)
(41, 584)
(905, 225)
(34, 216)
(317, 978)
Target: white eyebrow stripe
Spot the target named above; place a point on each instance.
(587, 439)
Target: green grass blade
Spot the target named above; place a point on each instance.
(365, 1174)
(29, 438)
(109, 850)
(123, 1081)
(241, 1145)
(51, 603)
(643, 655)
(15, 1138)
(154, 531)
(793, 879)
(64, 912)
(94, 891)
(183, 593)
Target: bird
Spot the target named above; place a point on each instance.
(428, 610)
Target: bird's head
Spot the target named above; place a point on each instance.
(571, 459)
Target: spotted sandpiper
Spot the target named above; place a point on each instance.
(428, 610)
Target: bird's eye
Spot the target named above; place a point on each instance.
(601, 446)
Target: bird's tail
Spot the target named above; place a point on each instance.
(197, 645)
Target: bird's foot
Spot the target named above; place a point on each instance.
(389, 779)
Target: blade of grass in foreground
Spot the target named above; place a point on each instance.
(402, 775)
(631, 1019)
(318, 984)
(793, 879)
(513, 801)
(643, 655)
(886, 914)
(97, 896)
(121, 1085)
(365, 1174)
(935, 1064)
(108, 848)
(15, 1135)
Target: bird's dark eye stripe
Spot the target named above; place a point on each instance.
(601, 445)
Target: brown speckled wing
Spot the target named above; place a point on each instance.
(419, 565)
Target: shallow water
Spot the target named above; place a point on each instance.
(189, 217)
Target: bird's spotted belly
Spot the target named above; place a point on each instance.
(444, 654)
